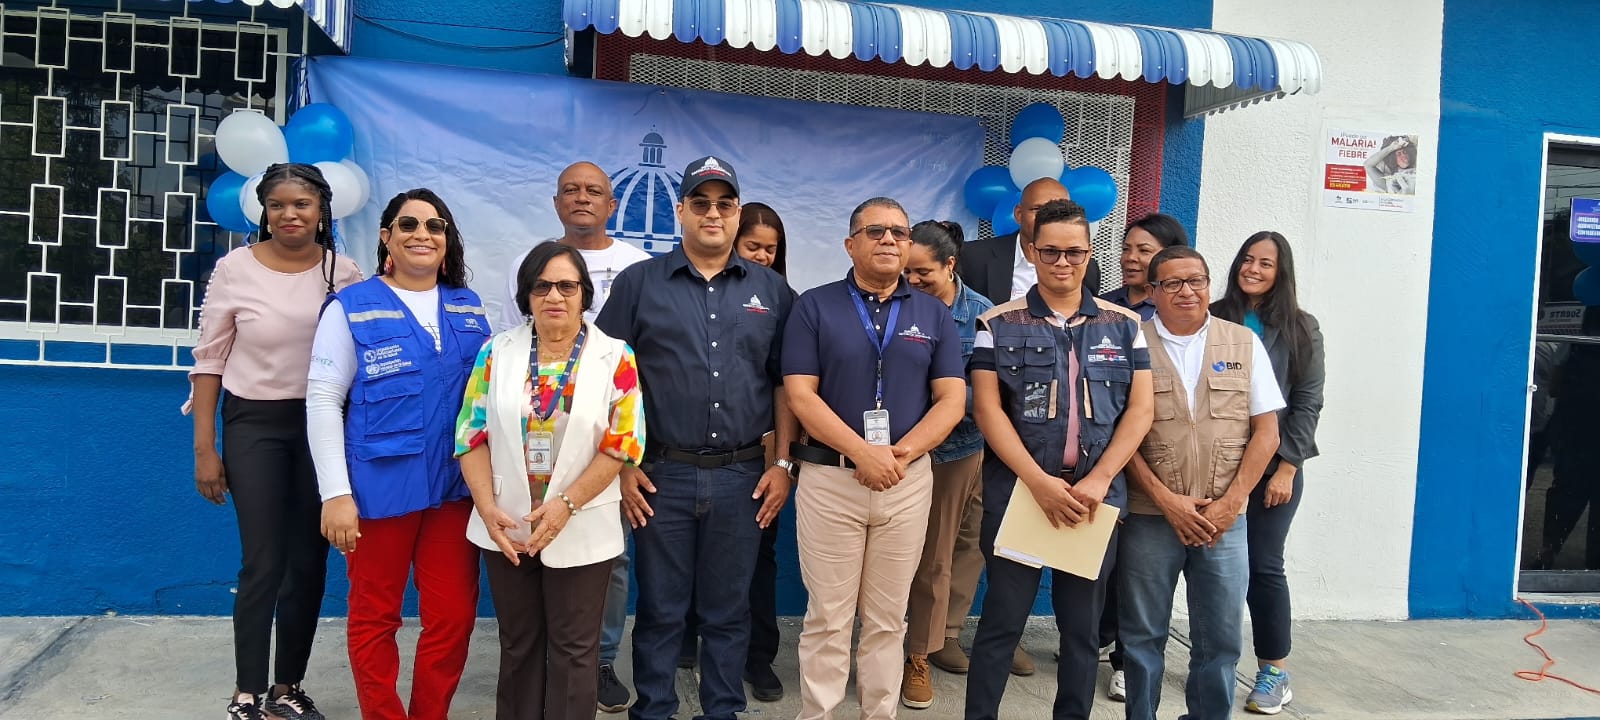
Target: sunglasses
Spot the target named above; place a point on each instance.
(701, 206)
(408, 224)
(1051, 256)
(901, 233)
(567, 288)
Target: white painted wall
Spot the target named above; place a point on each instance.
(1364, 274)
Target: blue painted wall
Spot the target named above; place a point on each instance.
(1493, 115)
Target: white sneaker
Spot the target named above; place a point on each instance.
(1117, 689)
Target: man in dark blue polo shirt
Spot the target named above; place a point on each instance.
(706, 327)
(873, 370)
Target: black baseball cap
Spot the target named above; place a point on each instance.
(706, 169)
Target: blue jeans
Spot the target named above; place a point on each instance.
(1151, 556)
(616, 613)
(701, 544)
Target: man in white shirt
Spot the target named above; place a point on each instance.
(1215, 429)
(584, 203)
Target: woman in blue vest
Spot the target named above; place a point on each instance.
(1261, 296)
(399, 347)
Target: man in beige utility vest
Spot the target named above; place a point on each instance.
(1215, 428)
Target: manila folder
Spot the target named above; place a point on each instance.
(1026, 537)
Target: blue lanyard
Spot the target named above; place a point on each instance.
(543, 413)
(879, 342)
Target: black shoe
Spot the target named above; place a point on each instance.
(764, 684)
(292, 704)
(245, 710)
(613, 696)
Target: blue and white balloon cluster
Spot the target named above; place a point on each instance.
(993, 191)
(318, 134)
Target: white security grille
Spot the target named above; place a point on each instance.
(106, 151)
(1099, 127)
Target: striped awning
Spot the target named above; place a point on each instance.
(333, 17)
(1239, 68)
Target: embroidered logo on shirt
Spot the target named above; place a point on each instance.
(1220, 366)
(1105, 351)
(915, 334)
(755, 305)
(472, 323)
(380, 353)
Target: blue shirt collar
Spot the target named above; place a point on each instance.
(1038, 308)
(902, 289)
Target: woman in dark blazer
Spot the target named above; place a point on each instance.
(1261, 296)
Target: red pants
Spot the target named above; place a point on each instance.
(434, 542)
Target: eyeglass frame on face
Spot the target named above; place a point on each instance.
(444, 225)
(703, 205)
(1173, 286)
(900, 233)
(1059, 253)
(560, 286)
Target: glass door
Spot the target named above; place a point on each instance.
(1561, 520)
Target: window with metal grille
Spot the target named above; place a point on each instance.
(1113, 124)
(107, 126)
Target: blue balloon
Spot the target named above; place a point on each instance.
(1003, 219)
(1586, 287)
(1092, 188)
(1588, 252)
(1040, 120)
(319, 132)
(986, 187)
(222, 202)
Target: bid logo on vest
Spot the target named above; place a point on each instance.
(1222, 365)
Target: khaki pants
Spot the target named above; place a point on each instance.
(933, 590)
(857, 544)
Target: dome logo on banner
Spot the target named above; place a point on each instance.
(1036, 133)
(647, 199)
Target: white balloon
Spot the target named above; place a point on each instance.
(248, 142)
(247, 199)
(361, 176)
(346, 187)
(1035, 158)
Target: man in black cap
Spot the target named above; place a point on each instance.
(705, 326)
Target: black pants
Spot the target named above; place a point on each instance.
(1108, 619)
(1268, 596)
(284, 559)
(1012, 587)
(764, 637)
(549, 621)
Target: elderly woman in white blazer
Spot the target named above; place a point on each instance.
(552, 412)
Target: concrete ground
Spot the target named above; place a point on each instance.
(181, 667)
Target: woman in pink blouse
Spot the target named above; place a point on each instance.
(256, 326)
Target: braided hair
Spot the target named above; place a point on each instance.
(312, 179)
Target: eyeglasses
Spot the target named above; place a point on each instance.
(408, 224)
(1175, 285)
(701, 206)
(1051, 256)
(567, 288)
(901, 233)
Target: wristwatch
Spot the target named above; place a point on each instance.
(788, 467)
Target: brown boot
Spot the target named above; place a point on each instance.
(951, 658)
(1021, 664)
(916, 689)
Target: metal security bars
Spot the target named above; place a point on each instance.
(106, 151)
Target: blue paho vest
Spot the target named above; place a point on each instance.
(399, 432)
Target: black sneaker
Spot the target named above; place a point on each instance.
(245, 710)
(613, 696)
(764, 683)
(292, 704)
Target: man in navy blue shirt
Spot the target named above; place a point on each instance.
(705, 326)
(873, 370)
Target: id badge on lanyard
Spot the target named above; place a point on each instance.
(541, 452)
(875, 422)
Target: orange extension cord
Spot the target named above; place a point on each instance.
(1541, 674)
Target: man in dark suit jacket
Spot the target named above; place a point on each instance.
(987, 266)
